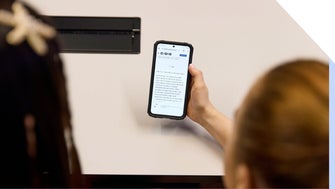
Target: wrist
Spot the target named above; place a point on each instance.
(208, 115)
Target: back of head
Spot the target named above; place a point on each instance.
(283, 126)
(34, 113)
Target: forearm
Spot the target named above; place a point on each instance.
(201, 110)
(217, 124)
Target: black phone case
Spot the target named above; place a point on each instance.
(152, 80)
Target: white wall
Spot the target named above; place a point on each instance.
(234, 41)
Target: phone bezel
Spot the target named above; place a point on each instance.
(187, 89)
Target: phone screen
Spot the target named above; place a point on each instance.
(168, 93)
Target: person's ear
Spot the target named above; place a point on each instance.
(243, 176)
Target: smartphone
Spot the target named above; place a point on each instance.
(170, 79)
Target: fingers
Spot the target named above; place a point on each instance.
(198, 96)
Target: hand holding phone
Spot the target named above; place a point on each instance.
(170, 79)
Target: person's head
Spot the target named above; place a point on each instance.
(280, 137)
(34, 112)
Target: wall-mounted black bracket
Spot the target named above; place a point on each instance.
(98, 34)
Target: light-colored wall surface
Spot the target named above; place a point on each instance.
(234, 40)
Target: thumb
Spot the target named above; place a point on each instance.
(196, 73)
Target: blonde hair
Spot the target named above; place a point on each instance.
(283, 123)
